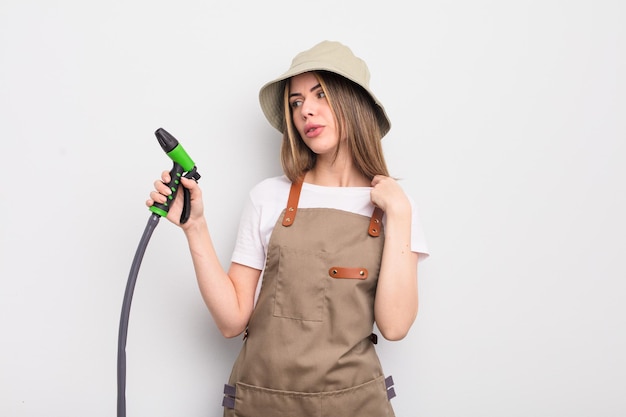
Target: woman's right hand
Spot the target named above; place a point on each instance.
(162, 192)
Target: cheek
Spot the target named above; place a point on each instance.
(330, 116)
(298, 123)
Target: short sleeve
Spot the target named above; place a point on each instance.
(249, 250)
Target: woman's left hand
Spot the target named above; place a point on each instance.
(388, 195)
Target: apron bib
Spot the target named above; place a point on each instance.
(309, 347)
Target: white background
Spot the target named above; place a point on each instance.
(508, 130)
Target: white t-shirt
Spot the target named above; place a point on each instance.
(268, 199)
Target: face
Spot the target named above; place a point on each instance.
(312, 114)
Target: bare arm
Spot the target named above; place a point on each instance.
(229, 296)
(396, 301)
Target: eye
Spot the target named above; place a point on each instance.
(321, 94)
(296, 103)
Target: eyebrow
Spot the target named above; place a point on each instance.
(311, 90)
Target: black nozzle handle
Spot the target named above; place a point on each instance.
(174, 185)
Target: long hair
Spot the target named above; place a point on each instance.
(357, 127)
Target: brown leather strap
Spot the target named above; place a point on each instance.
(376, 222)
(292, 203)
(343, 272)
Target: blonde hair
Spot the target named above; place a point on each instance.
(357, 123)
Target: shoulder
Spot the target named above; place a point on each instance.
(271, 191)
(272, 183)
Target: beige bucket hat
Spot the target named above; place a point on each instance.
(325, 56)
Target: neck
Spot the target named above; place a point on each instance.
(340, 173)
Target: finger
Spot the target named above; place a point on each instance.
(162, 188)
(157, 197)
(377, 179)
(191, 185)
(188, 182)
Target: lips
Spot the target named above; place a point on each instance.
(312, 130)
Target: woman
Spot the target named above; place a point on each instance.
(336, 241)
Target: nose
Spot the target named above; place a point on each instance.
(307, 109)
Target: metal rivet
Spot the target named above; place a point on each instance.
(376, 221)
(362, 273)
(374, 230)
(290, 208)
(288, 219)
(334, 272)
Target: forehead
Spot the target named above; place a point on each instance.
(303, 82)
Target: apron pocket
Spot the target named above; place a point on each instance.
(254, 401)
(301, 285)
(366, 400)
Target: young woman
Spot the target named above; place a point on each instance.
(336, 242)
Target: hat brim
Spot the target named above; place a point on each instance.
(271, 95)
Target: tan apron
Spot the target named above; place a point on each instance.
(309, 348)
